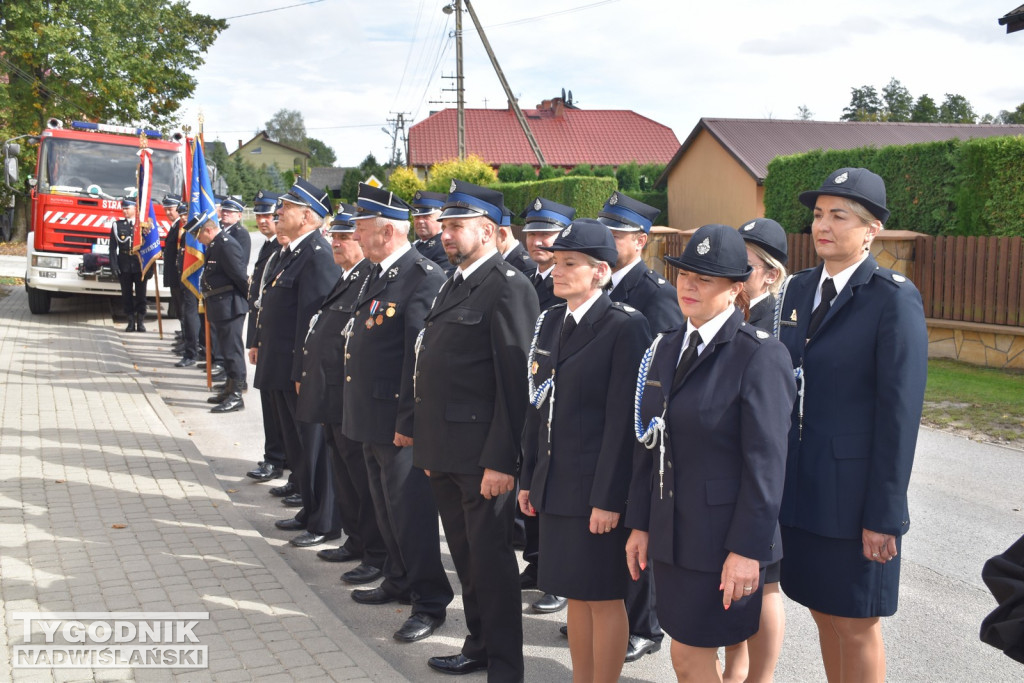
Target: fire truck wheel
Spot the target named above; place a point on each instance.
(38, 300)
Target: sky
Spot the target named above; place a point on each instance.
(350, 65)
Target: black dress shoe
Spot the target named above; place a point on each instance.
(290, 524)
(549, 603)
(218, 376)
(292, 501)
(373, 596)
(363, 573)
(185, 362)
(640, 646)
(265, 472)
(527, 580)
(341, 554)
(286, 489)
(308, 539)
(229, 405)
(456, 665)
(417, 627)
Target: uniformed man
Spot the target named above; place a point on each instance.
(321, 397)
(426, 207)
(273, 464)
(172, 276)
(378, 410)
(636, 285)
(511, 249)
(231, 222)
(299, 279)
(224, 287)
(544, 220)
(126, 266)
(470, 414)
(633, 283)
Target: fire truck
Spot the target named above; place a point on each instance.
(81, 175)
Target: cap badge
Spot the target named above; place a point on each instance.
(565, 233)
(842, 178)
(614, 200)
(537, 206)
(452, 188)
(761, 334)
(704, 247)
(259, 195)
(418, 195)
(748, 227)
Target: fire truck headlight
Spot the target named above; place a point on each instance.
(47, 261)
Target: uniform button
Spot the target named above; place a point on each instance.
(305, 352)
(670, 493)
(418, 399)
(430, 324)
(396, 395)
(472, 417)
(347, 356)
(303, 373)
(669, 463)
(349, 378)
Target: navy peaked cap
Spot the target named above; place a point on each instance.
(859, 184)
(715, 250)
(627, 214)
(589, 237)
(545, 215)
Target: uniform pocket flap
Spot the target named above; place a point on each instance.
(467, 316)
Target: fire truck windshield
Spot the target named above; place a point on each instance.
(85, 167)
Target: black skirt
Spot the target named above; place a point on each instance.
(577, 564)
(690, 607)
(832, 576)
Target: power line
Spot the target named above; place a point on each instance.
(528, 20)
(276, 9)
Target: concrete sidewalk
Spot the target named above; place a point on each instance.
(106, 505)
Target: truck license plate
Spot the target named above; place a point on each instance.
(48, 273)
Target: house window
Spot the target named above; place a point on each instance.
(256, 150)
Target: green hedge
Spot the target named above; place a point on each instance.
(587, 194)
(953, 187)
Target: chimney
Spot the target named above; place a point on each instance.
(239, 144)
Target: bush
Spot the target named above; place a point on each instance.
(404, 182)
(581, 170)
(516, 173)
(472, 169)
(550, 173)
(628, 177)
(586, 194)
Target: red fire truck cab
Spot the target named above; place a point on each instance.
(81, 175)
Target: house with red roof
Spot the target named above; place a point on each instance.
(567, 136)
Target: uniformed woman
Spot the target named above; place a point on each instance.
(579, 443)
(858, 341)
(712, 409)
(754, 661)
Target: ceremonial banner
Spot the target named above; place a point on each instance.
(150, 249)
(200, 209)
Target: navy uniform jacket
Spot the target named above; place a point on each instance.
(652, 295)
(520, 258)
(545, 291)
(241, 235)
(172, 275)
(224, 282)
(121, 248)
(725, 451)
(290, 298)
(269, 248)
(470, 384)
(761, 313)
(323, 355)
(587, 462)
(381, 351)
(434, 250)
(864, 374)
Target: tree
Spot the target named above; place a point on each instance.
(83, 60)
(649, 174)
(288, 127)
(865, 105)
(803, 113)
(628, 176)
(404, 182)
(925, 110)
(368, 167)
(1016, 116)
(321, 152)
(899, 103)
(956, 109)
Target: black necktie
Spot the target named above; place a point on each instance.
(828, 292)
(457, 280)
(687, 359)
(374, 273)
(282, 258)
(568, 325)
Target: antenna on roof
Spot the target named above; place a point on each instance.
(568, 102)
(563, 94)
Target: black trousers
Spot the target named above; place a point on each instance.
(407, 518)
(133, 293)
(352, 494)
(319, 504)
(273, 441)
(227, 335)
(479, 535)
(190, 323)
(283, 411)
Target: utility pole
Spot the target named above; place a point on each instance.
(459, 84)
(501, 77)
(397, 133)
